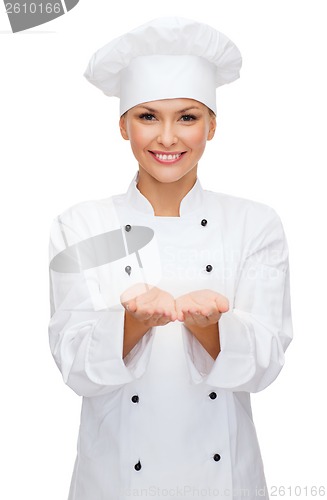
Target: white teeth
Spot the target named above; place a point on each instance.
(168, 157)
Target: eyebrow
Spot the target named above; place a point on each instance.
(177, 112)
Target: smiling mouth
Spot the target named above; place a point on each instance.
(167, 157)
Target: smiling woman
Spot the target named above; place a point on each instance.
(168, 138)
(164, 317)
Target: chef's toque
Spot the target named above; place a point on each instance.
(166, 58)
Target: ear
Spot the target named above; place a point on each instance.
(212, 128)
(123, 128)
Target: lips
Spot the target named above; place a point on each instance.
(167, 157)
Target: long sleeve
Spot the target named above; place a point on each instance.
(85, 333)
(256, 331)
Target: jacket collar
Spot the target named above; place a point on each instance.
(192, 201)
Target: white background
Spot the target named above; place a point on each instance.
(60, 144)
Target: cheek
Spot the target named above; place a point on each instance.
(139, 137)
(196, 137)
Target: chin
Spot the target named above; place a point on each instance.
(167, 177)
(167, 174)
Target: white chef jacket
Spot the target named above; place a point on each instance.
(168, 419)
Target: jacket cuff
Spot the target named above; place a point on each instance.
(198, 360)
(104, 362)
(234, 365)
(138, 358)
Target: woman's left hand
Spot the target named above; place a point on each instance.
(201, 308)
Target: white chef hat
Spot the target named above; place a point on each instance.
(166, 58)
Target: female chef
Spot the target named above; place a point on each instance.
(170, 303)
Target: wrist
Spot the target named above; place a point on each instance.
(208, 336)
(207, 329)
(134, 324)
(133, 332)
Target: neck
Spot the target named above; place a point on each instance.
(165, 197)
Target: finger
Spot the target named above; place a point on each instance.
(212, 311)
(164, 320)
(186, 317)
(206, 317)
(156, 319)
(198, 313)
(222, 303)
(159, 316)
(193, 310)
(178, 313)
(197, 318)
(130, 306)
(171, 314)
(181, 316)
(207, 311)
(213, 317)
(190, 317)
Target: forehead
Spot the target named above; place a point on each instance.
(175, 105)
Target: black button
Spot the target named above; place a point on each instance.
(204, 222)
(138, 466)
(209, 268)
(216, 457)
(128, 270)
(128, 227)
(212, 395)
(135, 398)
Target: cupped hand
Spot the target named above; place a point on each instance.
(149, 305)
(201, 307)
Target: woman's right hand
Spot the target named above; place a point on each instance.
(153, 307)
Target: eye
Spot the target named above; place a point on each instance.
(188, 118)
(146, 116)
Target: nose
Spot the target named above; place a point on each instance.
(167, 135)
